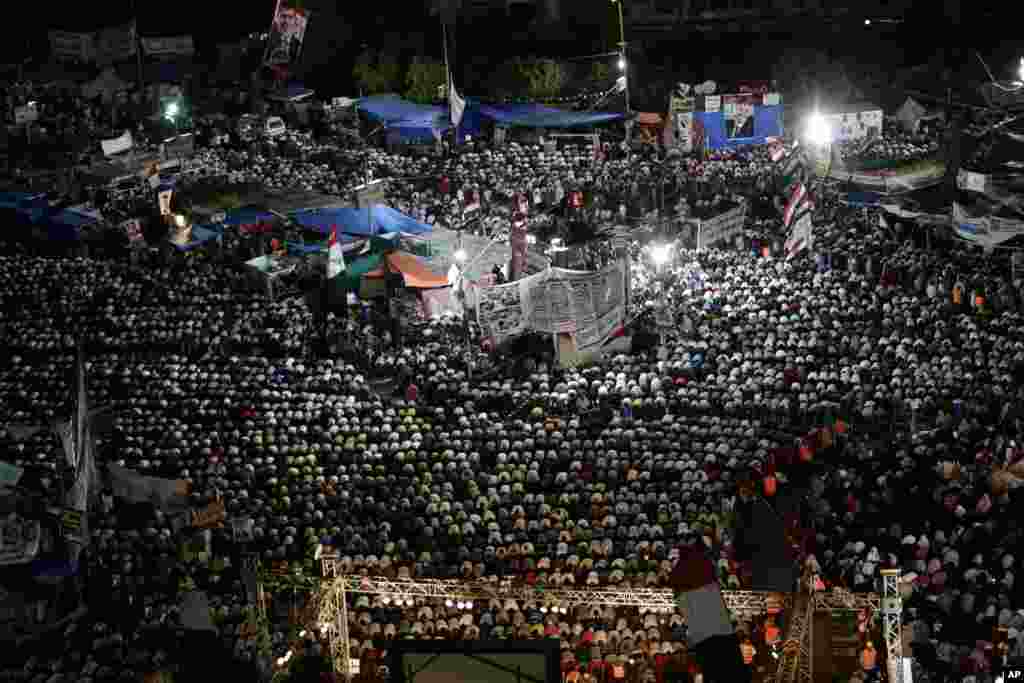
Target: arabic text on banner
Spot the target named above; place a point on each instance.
(724, 227)
(182, 46)
(287, 34)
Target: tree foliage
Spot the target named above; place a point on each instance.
(377, 72)
(803, 74)
(423, 78)
(600, 75)
(540, 77)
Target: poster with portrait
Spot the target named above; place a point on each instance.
(286, 35)
(738, 112)
(681, 120)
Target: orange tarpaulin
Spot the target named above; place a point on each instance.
(648, 119)
(414, 271)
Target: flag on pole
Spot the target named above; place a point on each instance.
(455, 103)
(793, 169)
(335, 257)
(796, 199)
(802, 236)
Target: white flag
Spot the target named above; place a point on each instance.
(335, 257)
(620, 84)
(455, 103)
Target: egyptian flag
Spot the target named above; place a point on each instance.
(709, 632)
(335, 257)
(796, 199)
(792, 170)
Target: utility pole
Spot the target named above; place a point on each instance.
(623, 60)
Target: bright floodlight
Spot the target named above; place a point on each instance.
(172, 111)
(1020, 71)
(867, 22)
(660, 254)
(460, 255)
(179, 220)
(622, 64)
(818, 132)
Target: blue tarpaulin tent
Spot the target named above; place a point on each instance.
(67, 225)
(406, 120)
(358, 222)
(539, 116)
(247, 216)
(200, 236)
(767, 124)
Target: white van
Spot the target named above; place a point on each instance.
(274, 126)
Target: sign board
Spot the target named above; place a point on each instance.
(178, 147)
(210, 516)
(971, 182)
(855, 125)
(179, 46)
(550, 146)
(724, 227)
(122, 143)
(713, 103)
(681, 119)
(26, 114)
(353, 666)
(371, 194)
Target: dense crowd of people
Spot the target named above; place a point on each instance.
(880, 367)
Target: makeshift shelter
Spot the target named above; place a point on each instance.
(426, 292)
(69, 224)
(912, 114)
(200, 236)
(351, 222)
(406, 121)
(249, 219)
(271, 273)
(539, 116)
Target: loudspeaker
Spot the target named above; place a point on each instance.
(720, 660)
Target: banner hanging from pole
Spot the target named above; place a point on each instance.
(286, 35)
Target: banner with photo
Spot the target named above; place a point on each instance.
(680, 113)
(116, 44)
(286, 35)
(588, 305)
(738, 113)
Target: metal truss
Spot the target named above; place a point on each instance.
(797, 649)
(892, 613)
(743, 605)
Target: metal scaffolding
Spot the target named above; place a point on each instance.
(892, 611)
(794, 665)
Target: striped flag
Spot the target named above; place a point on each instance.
(792, 170)
(335, 257)
(796, 199)
(802, 236)
(456, 104)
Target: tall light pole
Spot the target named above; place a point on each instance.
(623, 62)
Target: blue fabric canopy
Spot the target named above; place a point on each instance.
(392, 108)
(358, 223)
(66, 225)
(539, 116)
(200, 236)
(247, 216)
